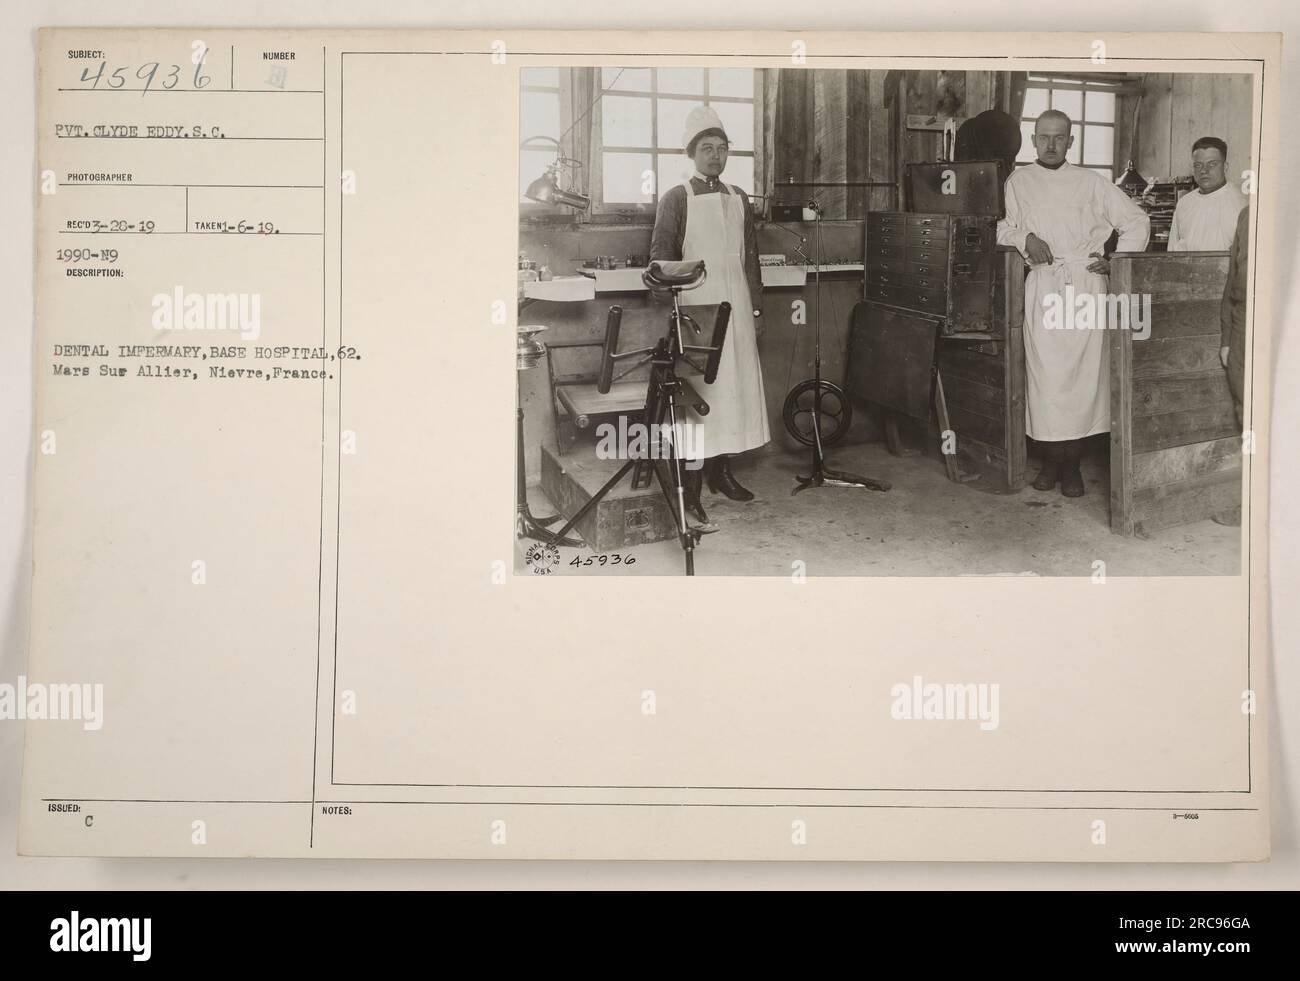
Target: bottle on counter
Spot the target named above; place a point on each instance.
(527, 269)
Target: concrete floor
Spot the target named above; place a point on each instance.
(924, 526)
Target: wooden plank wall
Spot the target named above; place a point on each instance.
(795, 153)
(845, 125)
(1176, 111)
(880, 149)
(1175, 443)
(830, 122)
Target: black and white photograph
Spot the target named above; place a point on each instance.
(689, 448)
(883, 322)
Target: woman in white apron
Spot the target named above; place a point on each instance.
(706, 219)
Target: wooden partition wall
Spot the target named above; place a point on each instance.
(1175, 444)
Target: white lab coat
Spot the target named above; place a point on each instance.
(1067, 371)
(1206, 222)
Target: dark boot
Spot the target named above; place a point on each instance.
(693, 482)
(1051, 469)
(721, 480)
(1071, 478)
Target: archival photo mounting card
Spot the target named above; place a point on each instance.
(659, 445)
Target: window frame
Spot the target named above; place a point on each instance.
(1080, 83)
(563, 92)
(621, 211)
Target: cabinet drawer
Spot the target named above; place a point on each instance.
(928, 254)
(882, 277)
(926, 221)
(878, 251)
(886, 219)
(882, 293)
(935, 301)
(926, 270)
(885, 263)
(925, 234)
(888, 237)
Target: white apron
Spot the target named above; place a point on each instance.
(737, 419)
(1067, 372)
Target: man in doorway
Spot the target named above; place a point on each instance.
(1205, 219)
(1059, 217)
(1232, 325)
(1232, 312)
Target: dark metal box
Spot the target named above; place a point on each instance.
(969, 187)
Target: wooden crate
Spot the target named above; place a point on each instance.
(624, 517)
(1175, 446)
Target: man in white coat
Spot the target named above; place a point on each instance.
(1058, 217)
(1206, 219)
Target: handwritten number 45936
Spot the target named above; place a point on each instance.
(147, 72)
(614, 559)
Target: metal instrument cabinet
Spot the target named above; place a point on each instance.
(941, 265)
